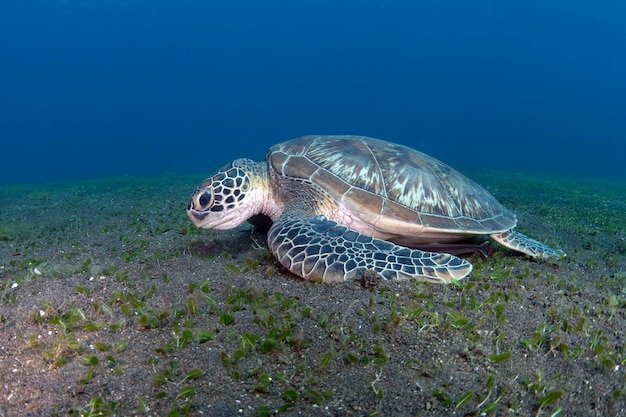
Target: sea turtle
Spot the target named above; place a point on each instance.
(343, 205)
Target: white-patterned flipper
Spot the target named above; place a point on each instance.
(521, 243)
(319, 249)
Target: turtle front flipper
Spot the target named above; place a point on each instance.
(318, 249)
(521, 243)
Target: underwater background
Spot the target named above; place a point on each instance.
(94, 89)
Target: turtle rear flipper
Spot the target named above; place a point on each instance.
(318, 249)
(521, 243)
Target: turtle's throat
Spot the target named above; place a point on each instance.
(269, 204)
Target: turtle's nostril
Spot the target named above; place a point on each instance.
(205, 199)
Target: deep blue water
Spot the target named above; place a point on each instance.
(96, 88)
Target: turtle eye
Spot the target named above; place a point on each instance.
(206, 199)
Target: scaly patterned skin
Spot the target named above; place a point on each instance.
(232, 195)
(318, 249)
(531, 247)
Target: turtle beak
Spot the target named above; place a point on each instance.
(197, 217)
(204, 213)
(213, 220)
(199, 208)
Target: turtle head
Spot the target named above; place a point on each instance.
(230, 196)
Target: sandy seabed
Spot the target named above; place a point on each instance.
(112, 303)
